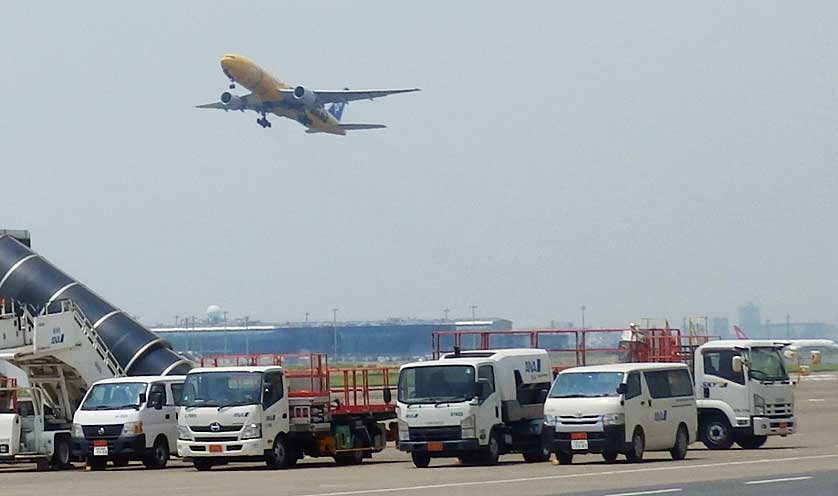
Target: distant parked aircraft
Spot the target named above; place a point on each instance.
(306, 106)
(794, 344)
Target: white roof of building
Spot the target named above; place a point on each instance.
(625, 367)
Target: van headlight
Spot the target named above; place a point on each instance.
(184, 433)
(550, 420)
(613, 419)
(131, 429)
(252, 431)
(759, 405)
(469, 426)
(404, 431)
(78, 432)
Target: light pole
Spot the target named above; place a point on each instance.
(335, 333)
(473, 313)
(788, 326)
(583, 316)
(226, 340)
(307, 314)
(445, 311)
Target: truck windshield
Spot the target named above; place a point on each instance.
(114, 396)
(222, 389)
(586, 385)
(436, 384)
(767, 365)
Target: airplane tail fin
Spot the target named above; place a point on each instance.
(336, 109)
(740, 334)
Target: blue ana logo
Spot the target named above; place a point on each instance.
(532, 365)
(57, 339)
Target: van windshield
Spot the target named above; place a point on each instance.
(767, 365)
(114, 396)
(586, 385)
(437, 384)
(222, 389)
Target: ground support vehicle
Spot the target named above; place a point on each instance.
(474, 405)
(281, 412)
(128, 419)
(745, 394)
(621, 409)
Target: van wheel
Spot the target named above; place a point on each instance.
(751, 442)
(609, 456)
(491, 452)
(280, 454)
(564, 458)
(420, 460)
(97, 463)
(61, 456)
(716, 433)
(682, 441)
(158, 457)
(538, 455)
(637, 448)
(202, 465)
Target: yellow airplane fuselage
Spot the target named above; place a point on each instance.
(265, 87)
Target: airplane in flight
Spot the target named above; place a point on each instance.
(794, 344)
(269, 95)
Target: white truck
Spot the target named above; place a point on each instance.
(128, 419)
(744, 393)
(474, 405)
(257, 413)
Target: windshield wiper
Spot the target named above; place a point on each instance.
(123, 407)
(571, 396)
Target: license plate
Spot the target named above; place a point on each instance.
(100, 447)
(578, 440)
(434, 446)
(216, 448)
(784, 425)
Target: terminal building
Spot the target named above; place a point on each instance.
(377, 340)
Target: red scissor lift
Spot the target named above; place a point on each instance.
(578, 347)
(357, 391)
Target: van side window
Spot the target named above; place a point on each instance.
(658, 383)
(633, 385)
(177, 392)
(720, 364)
(680, 382)
(157, 394)
(273, 389)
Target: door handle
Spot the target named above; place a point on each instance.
(284, 415)
(167, 416)
(496, 412)
(650, 403)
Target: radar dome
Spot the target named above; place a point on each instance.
(214, 313)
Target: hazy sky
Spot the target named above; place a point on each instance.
(642, 158)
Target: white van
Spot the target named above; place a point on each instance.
(128, 418)
(624, 408)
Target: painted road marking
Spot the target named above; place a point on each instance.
(787, 479)
(659, 491)
(570, 476)
(816, 400)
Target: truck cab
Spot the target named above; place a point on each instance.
(128, 419)
(474, 405)
(744, 393)
(29, 430)
(235, 414)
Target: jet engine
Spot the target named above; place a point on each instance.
(305, 96)
(232, 101)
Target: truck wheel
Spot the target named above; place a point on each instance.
(751, 442)
(158, 457)
(538, 455)
(41, 465)
(202, 465)
(61, 455)
(564, 458)
(420, 460)
(682, 441)
(491, 452)
(280, 454)
(716, 433)
(637, 448)
(609, 456)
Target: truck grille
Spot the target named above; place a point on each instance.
(777, 410)
(447, 433)
(216, 439)
(111, 431)
(219, 428)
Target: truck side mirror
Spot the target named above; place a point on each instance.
(388, 395)
(622, 388)
(143, 399)
(736, 364)
(542, 395)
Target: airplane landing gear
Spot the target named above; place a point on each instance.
(232, 84)
(263, 121)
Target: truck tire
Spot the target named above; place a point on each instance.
(202, 465)
(539, 454)
(491, 452)
(716, 433)
(609, 456)
(750, 441)
(158, 456)
(564, 458)
(420, 460)
(61, 455)
(682, 442)
(280, 454)
(637, 446)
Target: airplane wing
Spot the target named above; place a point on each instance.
(214, 105)
(344, 96)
